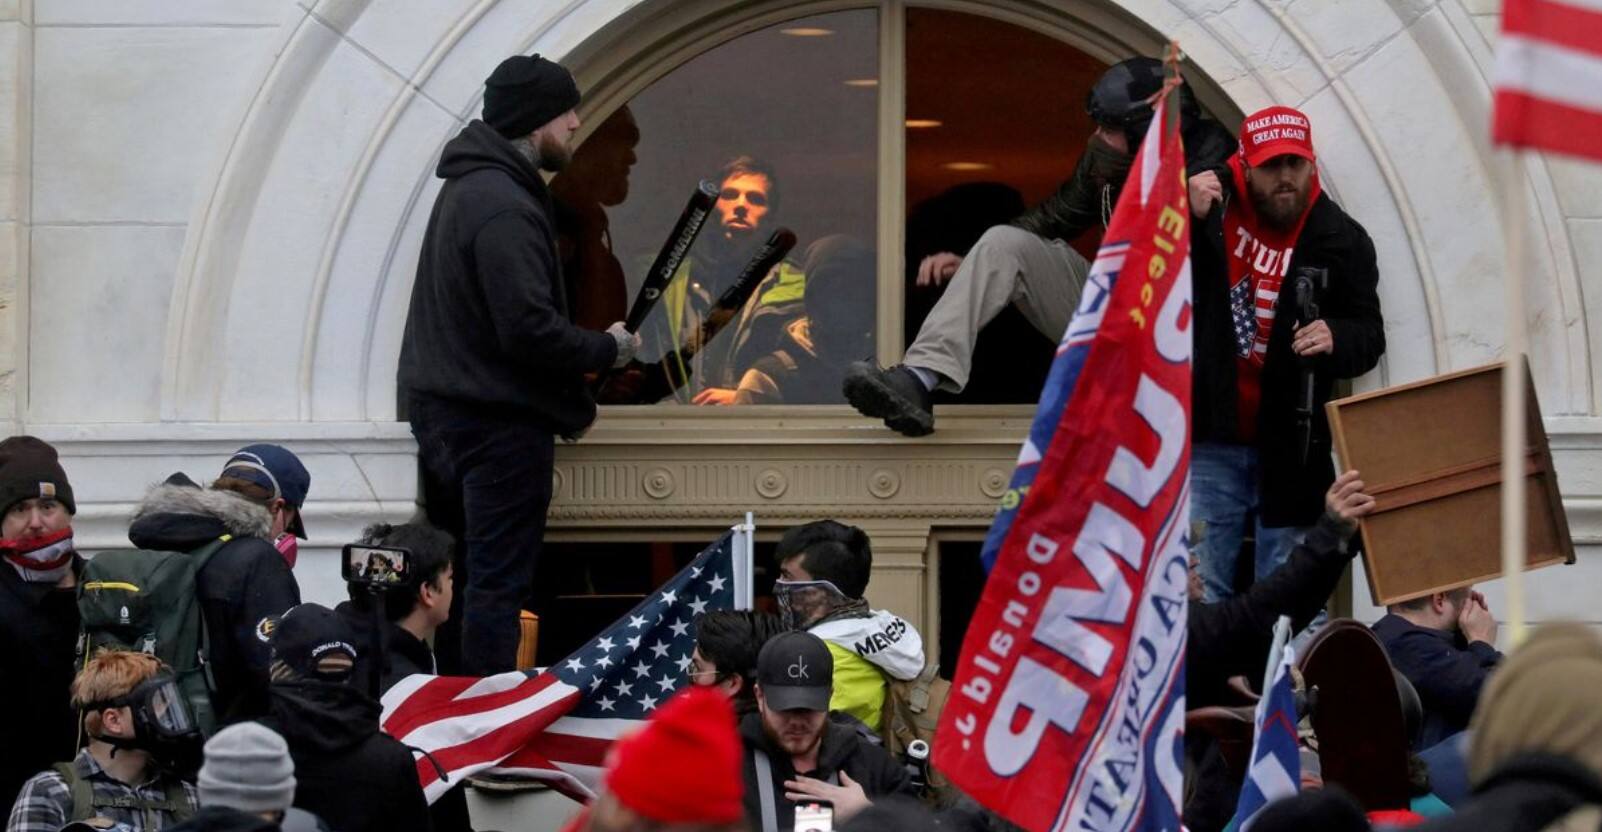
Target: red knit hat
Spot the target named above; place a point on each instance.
(684, 765)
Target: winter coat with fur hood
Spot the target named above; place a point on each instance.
(245, 582)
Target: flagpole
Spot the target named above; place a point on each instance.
(1514, 409)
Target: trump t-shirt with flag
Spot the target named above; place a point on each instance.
(1259, 258)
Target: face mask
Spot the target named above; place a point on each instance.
(163, 725)
(288, 545)
(803, 602)
(43, 559)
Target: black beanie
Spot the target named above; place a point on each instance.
(525, 92)
(29, 470)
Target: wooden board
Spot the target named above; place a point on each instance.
(1430, 453)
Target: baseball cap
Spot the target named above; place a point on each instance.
(1276, 131)
(795, 670)
(276, 469)
(315, 642)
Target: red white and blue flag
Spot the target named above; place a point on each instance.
(557, 725)
(1067, 708)
(1276, 769)
(1548, 78)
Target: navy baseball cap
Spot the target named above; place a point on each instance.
(314, 641)
(277, 470)
(796, 671)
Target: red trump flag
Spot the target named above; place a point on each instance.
(1067, 707)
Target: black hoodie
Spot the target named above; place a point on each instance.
(347, 771)
(244, 582)
(490, 324)
(844, 748)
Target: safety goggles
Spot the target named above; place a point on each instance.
(158, 707)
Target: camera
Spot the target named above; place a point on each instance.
(814, 816)
(379, 567)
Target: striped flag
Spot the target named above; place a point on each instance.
(1548, 78)
(1067, 708)
(557, 725)
(1276, 768)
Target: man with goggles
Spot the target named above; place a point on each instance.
(823, 572)
(141, 735)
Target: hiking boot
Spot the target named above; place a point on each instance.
(894, 395)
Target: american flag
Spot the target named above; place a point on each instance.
(557, 725)
(1548, 78)
(1276, 769)
(1245, 321)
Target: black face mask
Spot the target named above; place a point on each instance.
(163, 726)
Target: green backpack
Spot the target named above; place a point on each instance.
(145, 601)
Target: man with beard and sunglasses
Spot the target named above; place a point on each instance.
(823, 574)
(492, 367)
(795, 754)
(1265, 223)
(139, 731)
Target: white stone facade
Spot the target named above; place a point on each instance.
(210, 212)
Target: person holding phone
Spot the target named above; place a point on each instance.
(795, 756)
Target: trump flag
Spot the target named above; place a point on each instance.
(1067, 707)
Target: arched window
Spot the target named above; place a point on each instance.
(879, 136)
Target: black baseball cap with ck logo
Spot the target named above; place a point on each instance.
(796, 671)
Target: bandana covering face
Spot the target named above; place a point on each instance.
(1259, 258)
(42, 560)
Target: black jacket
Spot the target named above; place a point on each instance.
(224, 819)
(404, 655)
(490, 322)
(38, 640)
(1086, 200)
(1291, 494)
(1524, 794)
(347, 771)
(1232, 637)
(1446, 670)
(844, 749)
(244, 582)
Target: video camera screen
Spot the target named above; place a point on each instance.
(380, 566)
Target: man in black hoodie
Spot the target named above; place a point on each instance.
(412, 612)
(347, 770)
(247, 581)
(492, 367)
(794, 753)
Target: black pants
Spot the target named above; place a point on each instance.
(487, 479)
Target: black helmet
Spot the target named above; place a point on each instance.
(1118, 98)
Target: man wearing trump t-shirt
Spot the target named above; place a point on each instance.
(1261, 445)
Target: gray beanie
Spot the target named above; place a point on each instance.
(247, 768)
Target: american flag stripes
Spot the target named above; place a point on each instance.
(1548, 78)
(557, 725)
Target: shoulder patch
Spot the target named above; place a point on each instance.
(265, 628)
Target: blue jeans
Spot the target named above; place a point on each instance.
(487, 479)
(1223, 483)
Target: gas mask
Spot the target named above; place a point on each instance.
(801, 603)
(163, 725)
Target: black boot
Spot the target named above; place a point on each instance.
(894, 395)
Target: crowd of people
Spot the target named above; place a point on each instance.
(198, 634)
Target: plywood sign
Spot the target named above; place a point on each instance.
(1430, 454)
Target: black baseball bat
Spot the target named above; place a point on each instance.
(667, 262)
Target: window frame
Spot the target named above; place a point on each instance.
(656, 37)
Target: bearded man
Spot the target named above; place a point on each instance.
(1264, 221)
(492, 365)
